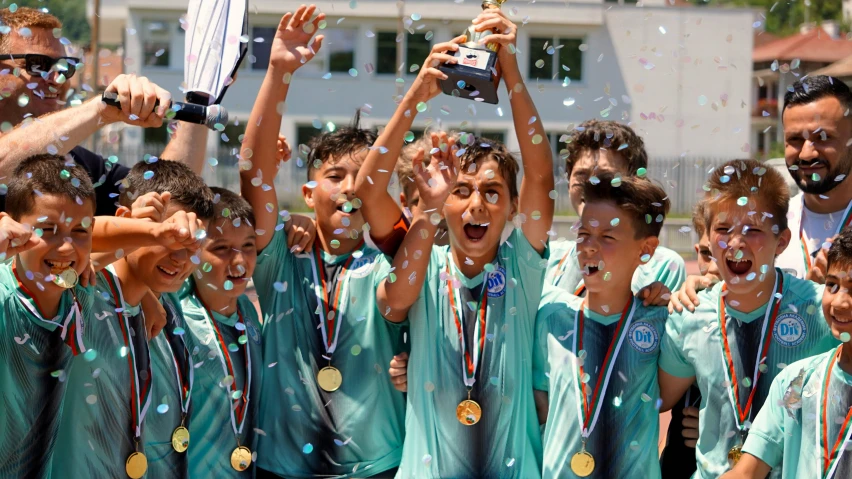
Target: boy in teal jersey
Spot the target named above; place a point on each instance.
(601, 414)
(224, 335)
(746, 328)
(805, 427)
(48, 236)
(126, 405)
(471, 410)
(326, 404)
(594, 147)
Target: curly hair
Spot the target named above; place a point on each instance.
(764, 189)
(24, 17)
(596, 134)
(343, 142)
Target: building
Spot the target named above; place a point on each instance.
(679, 75)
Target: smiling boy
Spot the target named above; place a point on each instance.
(749, 326)
(804, 428)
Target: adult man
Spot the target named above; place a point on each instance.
(33, 90)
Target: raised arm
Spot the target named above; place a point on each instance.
(60, 132)
(291, 47)
(410, 263)
(379, 208)
(189, 146)
(538, 180)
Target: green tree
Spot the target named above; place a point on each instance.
(72, 14)
(783, 17)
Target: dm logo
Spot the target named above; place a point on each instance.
(643, 337)
(497, 283)
(790, 330)
(253, 333)
(361, 267)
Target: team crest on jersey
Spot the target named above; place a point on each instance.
(643, 337)
(790, 330)
(253, 333)
(361, 267)
(497, 283)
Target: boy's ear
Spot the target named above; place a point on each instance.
(122, 212)
(650, 244)
(308, 195)
(513, 209)
(697, 248)
(403, 200)
(783, 241)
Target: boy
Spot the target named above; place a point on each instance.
(48, 236)
(326, 406)
(127, 408)
(777, 318)
(804, 428)
(471, 302)
(615, 378)
(595, 147)
(224, 333)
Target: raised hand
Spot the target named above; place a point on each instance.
(181, 231)
(436, 180)
(151, 206)
(292, 46)
(426, 86)
(14, 237)
(284, 151)
(504, 31)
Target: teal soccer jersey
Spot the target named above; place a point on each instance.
(623, 423)
(35, 352)
(665, 266)
(219, 421)
(108, 392)
(173, 391)
(693, 346)
(506, 442)
(786, 433)
(356, 430)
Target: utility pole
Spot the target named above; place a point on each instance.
(94, 46)
(400, 45)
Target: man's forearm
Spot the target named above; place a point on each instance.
(62, 130)
(188, 146)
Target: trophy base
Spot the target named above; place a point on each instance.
(475, 77)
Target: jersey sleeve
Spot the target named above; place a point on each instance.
(672, 272)
(672, 358)
(271, 260)
(765, 439)
(541, 366)
(390, 244)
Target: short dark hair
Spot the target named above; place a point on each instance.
(698, 223)
(229, 205)
(596, 134)
(339, 144)
(813, 88)
(644, 202)
(477, 150)
(187, 188)
(47, 175)
(840, 252)
(751, 180)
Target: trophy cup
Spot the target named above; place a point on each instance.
(476, 76)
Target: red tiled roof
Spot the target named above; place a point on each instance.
(814, 46)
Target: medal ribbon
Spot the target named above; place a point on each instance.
(742, 415)
(184, 387)
(803, 239)
(238, 414)
(140, 396)
(72, 331)
(469, 364)
(831, 458)
(330, 326)
(588, 412)
(558, 273)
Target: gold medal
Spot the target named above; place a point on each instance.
(66, 279)
(469, 412)
(583, 463)
(735, 454)
(180, 439)
(241, 458)
(329, 379)
(136, 465)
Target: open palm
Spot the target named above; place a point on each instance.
(436, 179)
(292, 46)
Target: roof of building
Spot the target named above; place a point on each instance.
(813, 46)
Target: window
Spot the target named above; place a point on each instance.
(416, 48)
(493, 135)
(555, 58)
(156, 44)
(261, 46)
(340, 47)
(157, 136)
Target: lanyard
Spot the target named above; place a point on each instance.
(140, 393)
(330, 317)
(743, 415)
(803, 238)
(830, 459)
(588, 413)
(72, 331)
(238, 414)
(184, 383)
(470, 363)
